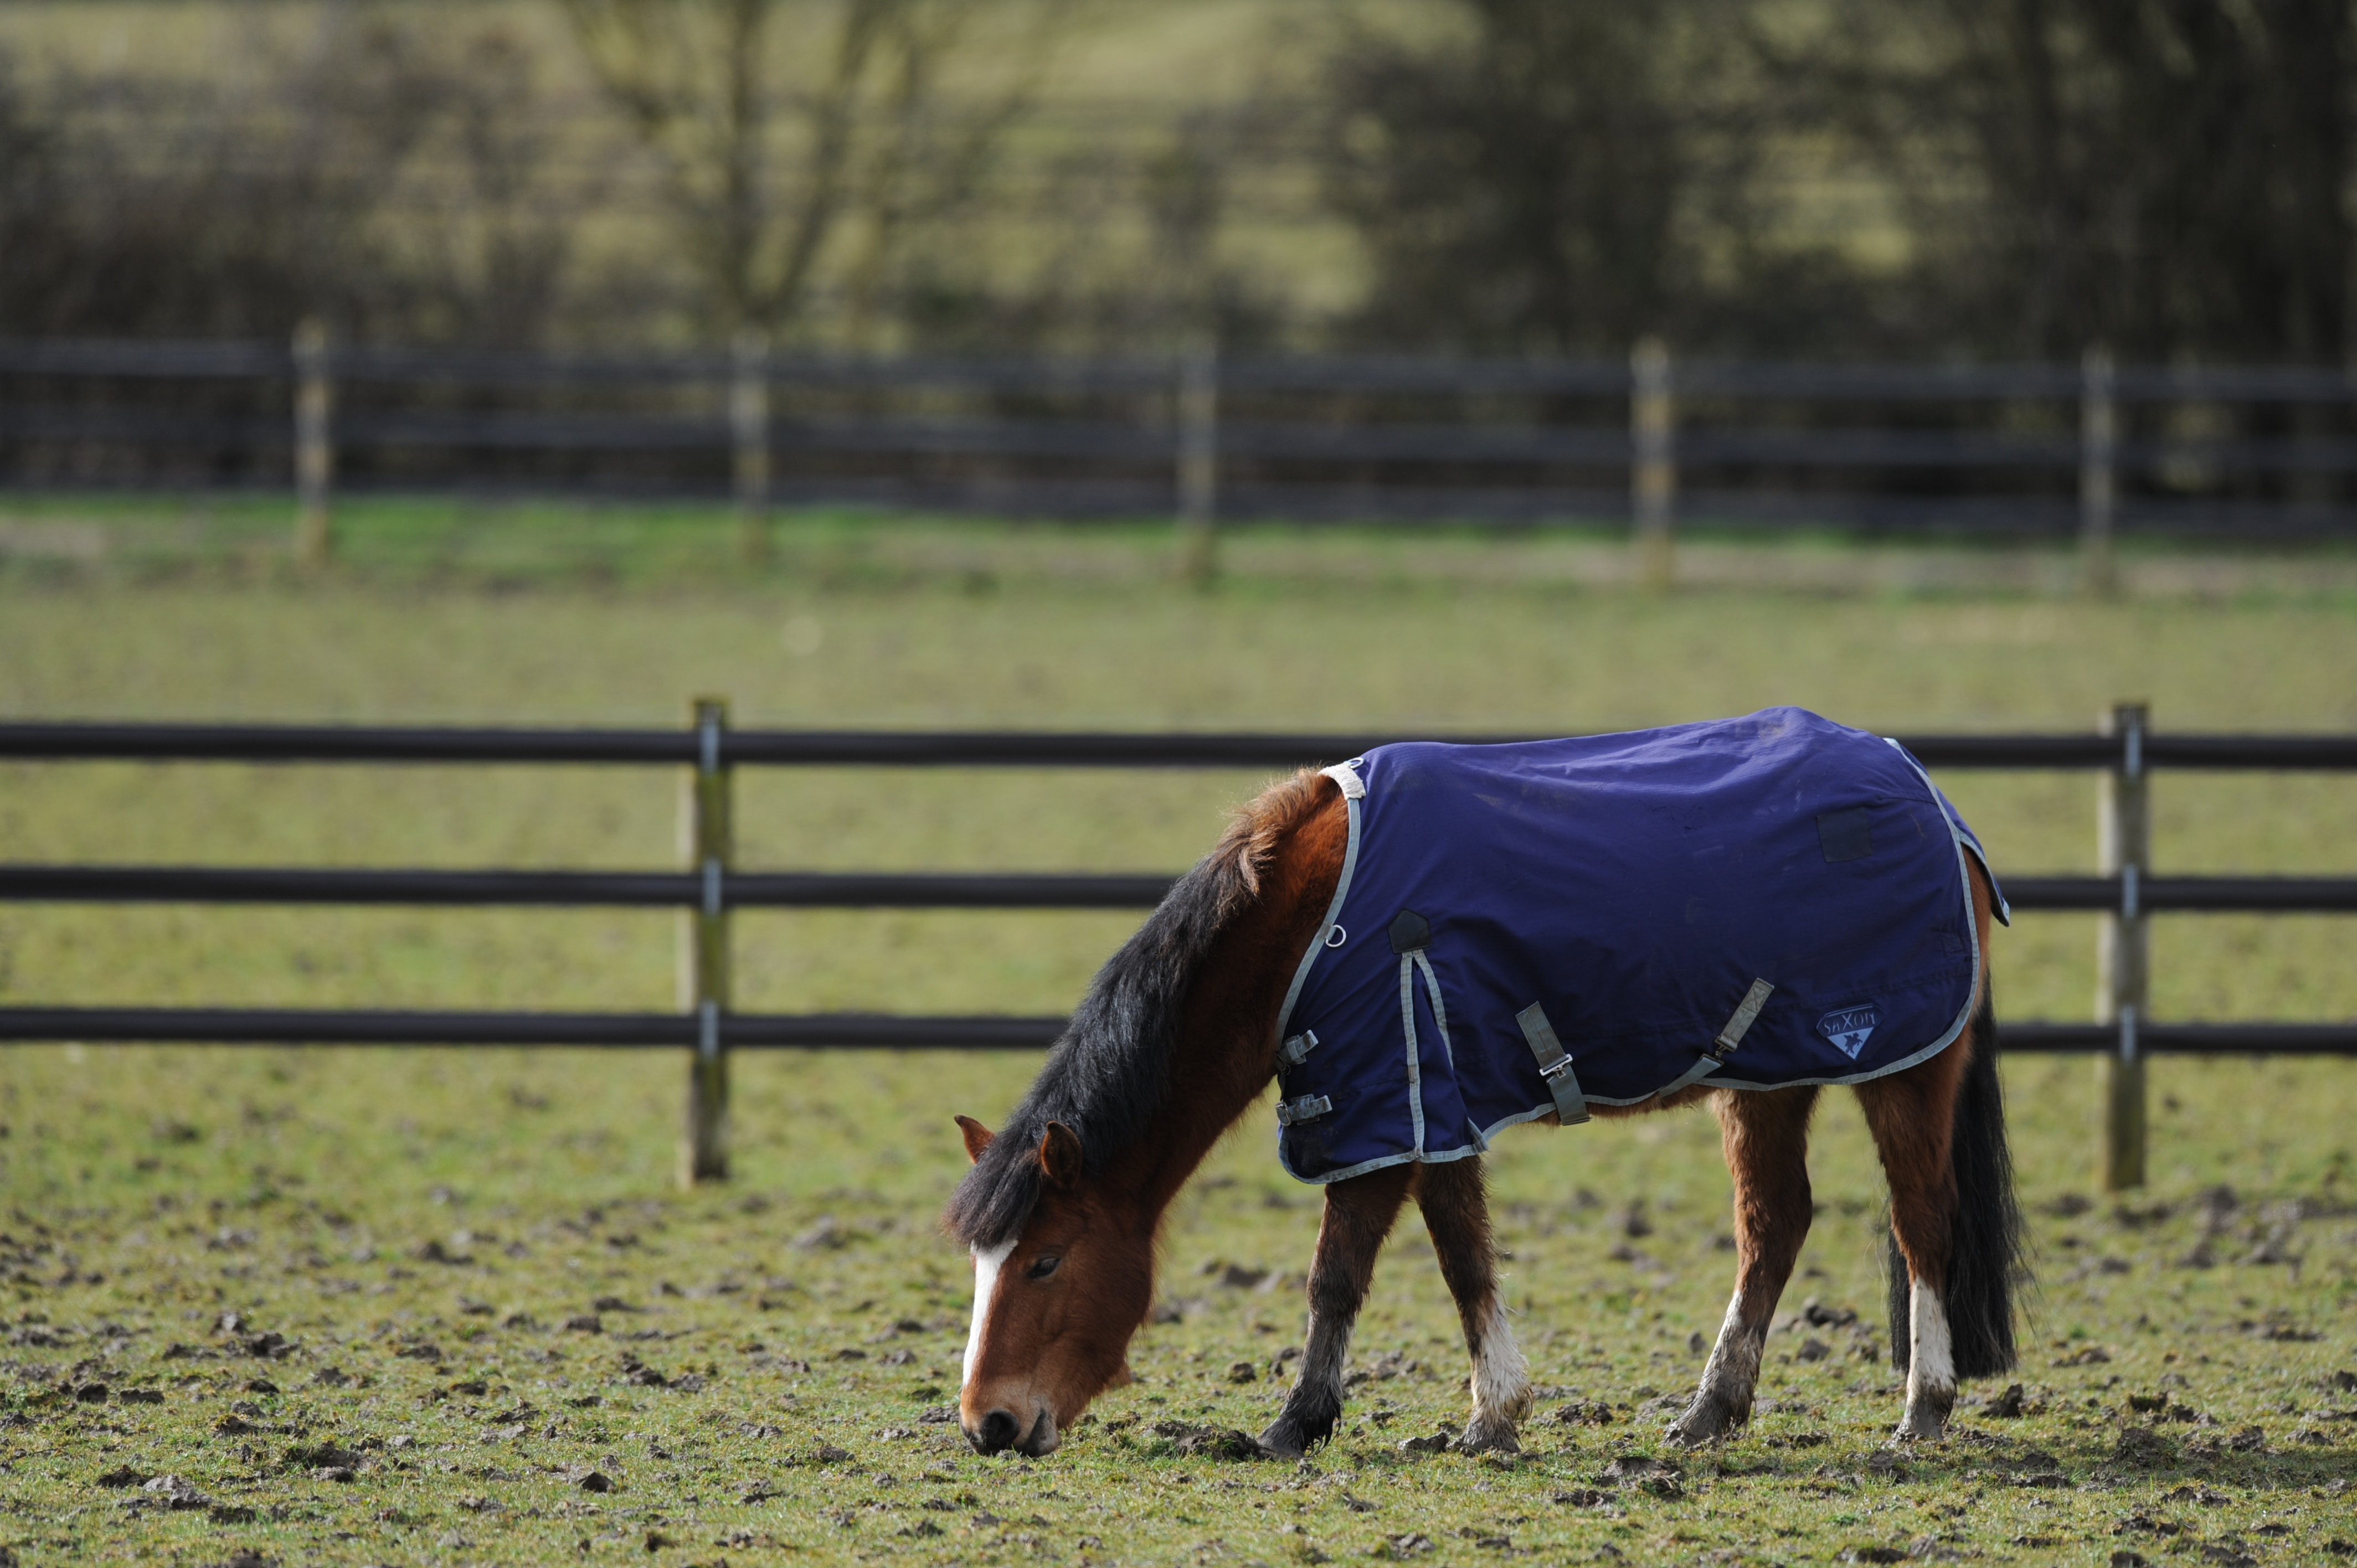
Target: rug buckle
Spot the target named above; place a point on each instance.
(1555, 1065)
(1308, 1108)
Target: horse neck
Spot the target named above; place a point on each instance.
(1227, 1043)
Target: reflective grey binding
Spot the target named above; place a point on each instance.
(1555, 1065)
(1345, 774)
(1308, 1108)
(1746, 1012)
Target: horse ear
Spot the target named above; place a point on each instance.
(1060, 1155)
(977, 1137)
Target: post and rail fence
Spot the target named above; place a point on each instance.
(2094, 450)
(2124, 754)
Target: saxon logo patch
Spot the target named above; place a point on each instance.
(1848, 1028)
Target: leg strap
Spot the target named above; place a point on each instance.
(1695, 1074)
(1555, 1065)
(1746, 1012)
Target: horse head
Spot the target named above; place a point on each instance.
(1055, 1304)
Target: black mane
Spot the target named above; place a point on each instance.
(1109, 1071)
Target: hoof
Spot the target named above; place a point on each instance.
(1285, 1440)
(1921, 1426)
(1706, 1420)
(1498, 1438)
(1926, 1420)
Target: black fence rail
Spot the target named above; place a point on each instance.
(885, 1031)
(933, 890)
(2023, 449)
(2128, 895)
(724, 747)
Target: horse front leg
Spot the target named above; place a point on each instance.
(1766, 1135)
(1457, 1214)
(1359, 1214)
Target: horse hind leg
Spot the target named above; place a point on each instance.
(1766, 1135)
(1457, 1215)
(1912, 1115)
(1359, 1214)
(1955, 1226)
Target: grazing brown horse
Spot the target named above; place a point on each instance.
(1178, 1036)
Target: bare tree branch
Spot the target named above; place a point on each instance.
(780, 124)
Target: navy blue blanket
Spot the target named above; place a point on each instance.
(1750, 903)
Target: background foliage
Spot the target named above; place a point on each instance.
(1889, 177)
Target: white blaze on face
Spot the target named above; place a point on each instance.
(986, 1264)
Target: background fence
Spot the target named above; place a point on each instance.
(2092, 449)
(710, 887)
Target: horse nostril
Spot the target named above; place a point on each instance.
(998, 1432)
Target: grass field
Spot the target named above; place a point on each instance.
(418, 1229)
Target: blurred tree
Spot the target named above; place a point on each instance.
(2166, 176)
(501, 253)
(378, 177)
(780, 124)
(1888, 178)
(1520, 184)
(31, 190)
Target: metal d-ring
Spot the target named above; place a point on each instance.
(1336, 937)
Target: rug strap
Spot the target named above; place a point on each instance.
(1746, 1013)
(1555, 1065)
(1695, 1074)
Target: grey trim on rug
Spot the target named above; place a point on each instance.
(1350, 799)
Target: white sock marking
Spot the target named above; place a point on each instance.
(1734, 1365)
(1932, 1364)
(986, 1265)
(1501, 1378)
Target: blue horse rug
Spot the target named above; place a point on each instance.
(1519, 929)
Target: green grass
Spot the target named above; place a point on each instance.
(305, 1191)
(316, 1193)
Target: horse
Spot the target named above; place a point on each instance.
(1179, 1034)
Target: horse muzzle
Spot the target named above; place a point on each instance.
(1001, 1429)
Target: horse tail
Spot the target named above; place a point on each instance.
(1985, 1235)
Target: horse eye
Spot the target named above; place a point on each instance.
(1042, 1267)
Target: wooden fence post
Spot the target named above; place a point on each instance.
(1652, 469)
(315, 458)
(2098, 481)
(2124, 825)
(1199, 462)
(707, 834)
(748, 431)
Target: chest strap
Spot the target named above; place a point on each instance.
(1555, 1065)
(1746, 1012)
